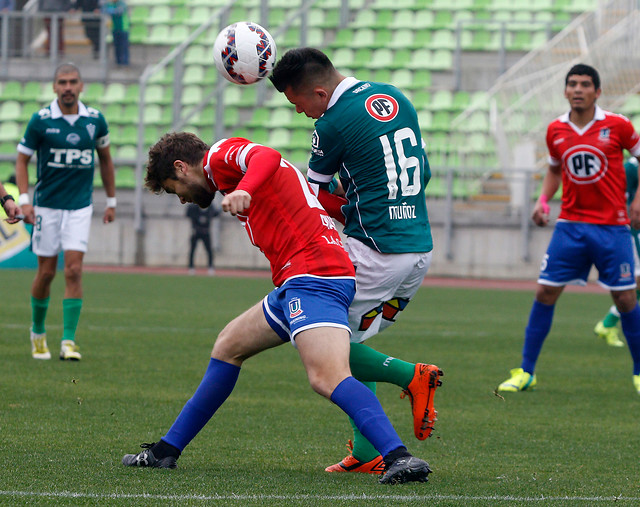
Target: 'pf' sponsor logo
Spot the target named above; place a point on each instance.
(382, 107)
(295, 308)
(585, 164)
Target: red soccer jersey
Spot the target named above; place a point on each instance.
(285, 219)
(593, 176)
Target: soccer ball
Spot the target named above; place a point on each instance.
(244, 52)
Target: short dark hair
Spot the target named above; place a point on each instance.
(582, 69)
(298, 68)
(66, 68)
(173, 146)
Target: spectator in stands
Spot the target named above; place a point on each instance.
(91, 24)
(120, 24)
(201, 231)
(7, 5)
(59, 7)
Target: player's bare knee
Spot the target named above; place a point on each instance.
(625, 301)
(226, 348)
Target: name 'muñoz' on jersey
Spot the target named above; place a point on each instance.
(65, 146)
(370, 136)
(593, 175)
(285, 219)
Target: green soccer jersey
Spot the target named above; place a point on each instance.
(65, 146)
(370, 136)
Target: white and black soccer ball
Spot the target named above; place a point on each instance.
(244, 52)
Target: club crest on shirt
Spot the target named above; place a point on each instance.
(604, 134)
(585, 164)
(315, 143)
(73, 138)
(382, 107)
(91, 128)
(295, 308)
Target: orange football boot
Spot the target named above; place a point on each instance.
(421, 391)
(351, 464)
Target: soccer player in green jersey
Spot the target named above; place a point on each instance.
(368, 133)
(64, 135)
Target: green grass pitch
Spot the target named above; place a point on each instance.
(146, 339)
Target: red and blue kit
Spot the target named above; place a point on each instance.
(285, 219)
(593, 175)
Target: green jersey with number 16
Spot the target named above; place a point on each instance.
(65, 145)
(370, 136)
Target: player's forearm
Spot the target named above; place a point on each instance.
(22, 174)
(108, 176)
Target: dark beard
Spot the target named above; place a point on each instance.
(202, 197)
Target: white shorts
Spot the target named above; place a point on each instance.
(58, 230)
(385, 283)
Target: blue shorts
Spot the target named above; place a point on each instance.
(575, 247)
(306, 302)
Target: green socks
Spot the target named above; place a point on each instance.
(70, 317)
(611, 320)
(368, 365)
(39, 309)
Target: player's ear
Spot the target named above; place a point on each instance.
(180, 167)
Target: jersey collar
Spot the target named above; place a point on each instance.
(597, 116)
(345, 84)
(56, 112)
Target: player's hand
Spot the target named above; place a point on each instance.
(29, 214)
(540, 215)
(109, 215)
(236, 202)
(13, 211)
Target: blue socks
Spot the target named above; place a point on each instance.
(216, 386)
(363, 407)
(631, 328)
(534, 335)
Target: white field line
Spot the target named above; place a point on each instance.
(306, 498)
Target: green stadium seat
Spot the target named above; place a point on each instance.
(139, 14)
(10, 131)
(92, 93)
(10, 110)
(402, 39)
(192, 95)
(425, 119)
(159, 35)
(442, 60)
(279, 138)
(443, 39)
(421, 99)
(300, 139)
(441, 121)
(159, 15)
(342, 57)
(193, 75)
(631, 106)
(114, 93)
(442, 101)
(30, 91)
(280, 117)
(139, 33)
(259, 118)
(125, 177)
(28, 109)
(180, 16)
(12, 90)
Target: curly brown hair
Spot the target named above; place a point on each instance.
(173, 146)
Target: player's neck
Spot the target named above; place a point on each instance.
(581, 117)
(69, 110)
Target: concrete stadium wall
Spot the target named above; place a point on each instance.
(484, 244)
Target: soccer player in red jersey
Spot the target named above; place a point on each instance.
(585, 155)
(315, 284)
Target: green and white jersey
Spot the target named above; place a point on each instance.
(370, 136)
(65, 146)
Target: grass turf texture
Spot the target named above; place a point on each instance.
(146, 339)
